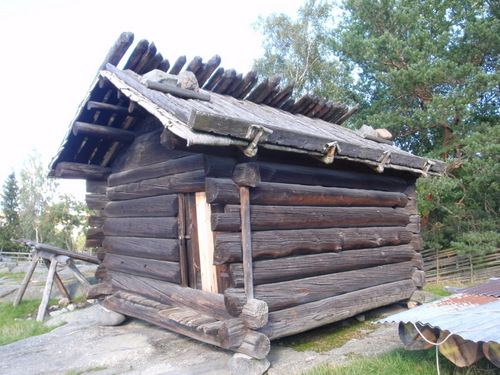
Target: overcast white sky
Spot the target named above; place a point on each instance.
(51, 50)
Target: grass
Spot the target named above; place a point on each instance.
(12, 330)
(329, 337)
(438, 288)
(404, 362)
(16, 276)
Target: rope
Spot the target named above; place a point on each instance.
(436, 344)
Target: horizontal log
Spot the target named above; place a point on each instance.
(161, 205)
(297, 217)
(255, 344)
(96, 186)
(416, 242)
(282, 243)
(206, 303)
(177, 91)
(156, 227)
(246, 174)
(153, 268)
(418, 278)
(57, 250)
(145, 151)
(96, 221)
(161, 169)
(151, 248)
(315, 314)
(231, 333)
(95, 233)
(98, 291)
(107, 107)
(298, 267)
(418, 261)
(81, 171)
(282, 295)
(192, 324)
(188, 182)
(151, 314)
(90, 243)
(213, 166)
(100, 272)
(254, 313)
(292, 174)
(103, 132)
(96, 201)
(414, 225)
(225, 191)
(101, 253)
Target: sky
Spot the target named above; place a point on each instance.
(51, 50)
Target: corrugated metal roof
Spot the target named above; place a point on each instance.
(491, 288)
(472, 317)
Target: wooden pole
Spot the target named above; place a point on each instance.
(78, 274)
(58, 281)
(46, 293)
(246, 241)
(27, 278)
(182, 240)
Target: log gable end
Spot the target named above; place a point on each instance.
(215, 222)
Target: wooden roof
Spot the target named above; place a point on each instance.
(229, 110)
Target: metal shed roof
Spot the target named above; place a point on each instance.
(472, 317)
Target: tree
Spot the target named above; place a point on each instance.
(36, 194)
(298, 50)
(429, 71)
(64, 222)
(9, 227)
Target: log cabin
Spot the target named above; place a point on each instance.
(235, 214)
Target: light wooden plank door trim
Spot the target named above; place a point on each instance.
(209, 280)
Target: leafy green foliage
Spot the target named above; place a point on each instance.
(45, 216)
(63, 221)
(428, 68)
(36, 193)
(428, 71)
(297, 50)
(9, 224)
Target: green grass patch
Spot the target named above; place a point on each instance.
(16, 276)
(99, 368)
(437, 289)
(12, 330)
(404, 362)
(330, 336)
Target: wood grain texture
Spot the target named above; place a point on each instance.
(299, 217)
(282, 243)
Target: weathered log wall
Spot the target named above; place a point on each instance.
(325, 244)
(320, 239)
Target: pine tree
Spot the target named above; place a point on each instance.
(10, 208)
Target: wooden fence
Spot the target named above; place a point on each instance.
(448, 266)
(15, 256)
